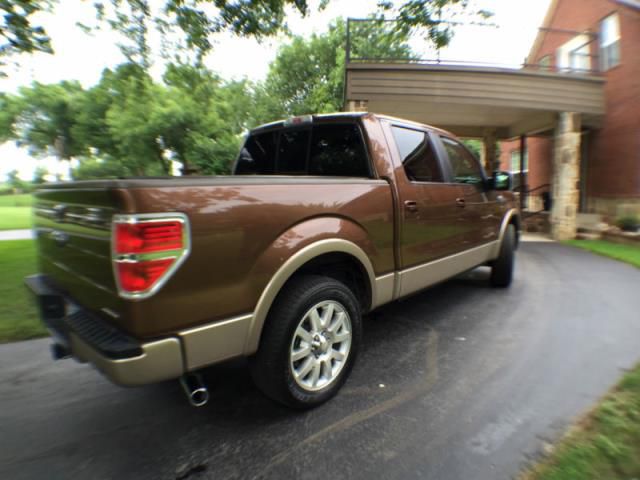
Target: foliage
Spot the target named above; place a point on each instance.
(39, 175)
(45, 116)
(17, 32)
(628, 223)
(307, 75)
(18, 316)
(16, 183)
(625, 253)
(128, 124)
(474, 145)
(434, 19)
(605, 444)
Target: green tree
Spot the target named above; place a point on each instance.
(93, 168)
(15, 182)
(307, 75)
(17, 32)
(39, 175)
(199, 119)
(42, 118)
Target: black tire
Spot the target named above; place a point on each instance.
(271, 368)
(502, 267)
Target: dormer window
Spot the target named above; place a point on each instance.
(610, 42)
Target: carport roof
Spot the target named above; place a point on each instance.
(470, 100)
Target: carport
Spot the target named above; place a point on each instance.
(491, 104)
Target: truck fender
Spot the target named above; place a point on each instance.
(293, 264)
(510, 217)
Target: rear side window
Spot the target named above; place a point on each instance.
(327, 149)
(419, 159)
(292, 152)
(258, 155)
(338, 150)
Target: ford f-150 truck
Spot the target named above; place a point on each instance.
(324, 219)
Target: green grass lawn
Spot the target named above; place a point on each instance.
(606, 443)
(626, 253)
(18, 316)
(20, 200)
(15, 211)
(15, 218)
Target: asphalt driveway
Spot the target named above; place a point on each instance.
(460, 382)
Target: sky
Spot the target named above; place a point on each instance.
(82, 57)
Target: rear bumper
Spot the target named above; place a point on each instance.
(120, 357)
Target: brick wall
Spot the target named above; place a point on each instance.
(613, 168)
(540, 156)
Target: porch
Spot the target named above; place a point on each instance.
(493, 104)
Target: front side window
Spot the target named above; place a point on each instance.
(610, 42)
(464, 166)
(418, 157)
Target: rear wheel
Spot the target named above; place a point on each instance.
(309, 343)
(502, 267)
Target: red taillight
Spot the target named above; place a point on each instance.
(140, 276)
(148, 237)
(147, 250)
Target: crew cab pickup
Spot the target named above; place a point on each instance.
(324, 219)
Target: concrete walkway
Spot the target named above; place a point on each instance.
(535, 237)
(16, 234)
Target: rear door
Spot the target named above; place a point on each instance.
(431, 222)
(478, 210)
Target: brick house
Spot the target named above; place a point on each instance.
(592, 37)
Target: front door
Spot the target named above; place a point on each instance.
(430, 220)
(481, 210)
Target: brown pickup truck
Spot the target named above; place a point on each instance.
(325, 218)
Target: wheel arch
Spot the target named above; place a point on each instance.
(512, 217)
(330, 256)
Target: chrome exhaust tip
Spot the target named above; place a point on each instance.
(195, 389)
(59, 352)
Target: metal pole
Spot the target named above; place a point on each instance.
(523, 185)
(348, 50)
(346, 65)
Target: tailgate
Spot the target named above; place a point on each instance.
(73, 234)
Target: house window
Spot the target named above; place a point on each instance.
(610, 42)
(515, 168)
(579, 59)
(546, 62)
(575, 55)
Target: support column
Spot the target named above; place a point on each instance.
(490, 160)
(523, 180)
(566, 176)
(357, 106)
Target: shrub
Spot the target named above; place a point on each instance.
(628, 223)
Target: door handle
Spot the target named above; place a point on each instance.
(461, 202)
(411, 205)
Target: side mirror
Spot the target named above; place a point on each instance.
(502, 181)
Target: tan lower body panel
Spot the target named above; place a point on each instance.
(423, 276)
(213, 343)
(384, 287)
(160, 360)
